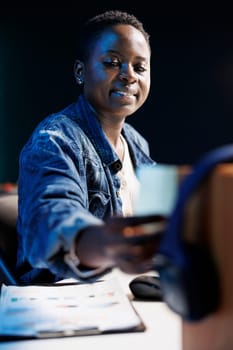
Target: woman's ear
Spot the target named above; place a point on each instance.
(79, 72)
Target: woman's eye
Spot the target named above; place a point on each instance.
(140, 69)
(111, 63)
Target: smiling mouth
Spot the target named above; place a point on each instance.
(123, 94)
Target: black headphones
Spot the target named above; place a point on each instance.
(188, 275)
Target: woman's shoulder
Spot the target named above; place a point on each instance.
(59, 127)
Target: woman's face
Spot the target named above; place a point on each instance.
(117, 73)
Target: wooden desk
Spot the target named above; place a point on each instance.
(163, 331)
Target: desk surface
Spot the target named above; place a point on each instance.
(163, 331)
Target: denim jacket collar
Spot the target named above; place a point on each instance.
(91, 126)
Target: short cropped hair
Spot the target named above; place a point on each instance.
(96, 25)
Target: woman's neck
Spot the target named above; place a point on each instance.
(115, 139)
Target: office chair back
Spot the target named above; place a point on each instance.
(8, 238)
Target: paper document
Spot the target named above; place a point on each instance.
(66, 310)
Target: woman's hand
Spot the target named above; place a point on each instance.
(128, 243)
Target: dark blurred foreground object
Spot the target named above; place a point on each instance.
(211, 214)
(195, 257)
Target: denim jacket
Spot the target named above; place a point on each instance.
(67, 181)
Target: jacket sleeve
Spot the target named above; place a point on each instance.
(53, 202)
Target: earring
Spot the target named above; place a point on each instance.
(79, 81)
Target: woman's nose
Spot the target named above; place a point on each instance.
(127, 75)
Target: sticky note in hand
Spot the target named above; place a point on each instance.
(158, 190)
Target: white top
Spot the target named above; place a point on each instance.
(129, 182)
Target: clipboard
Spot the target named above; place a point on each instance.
(65, 310)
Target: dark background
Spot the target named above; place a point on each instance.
(189, 110)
